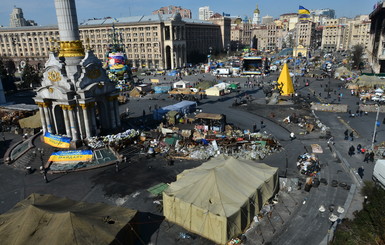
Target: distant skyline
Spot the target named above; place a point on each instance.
(43, 11)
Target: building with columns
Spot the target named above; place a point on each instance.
(76, 98)
(153, 41)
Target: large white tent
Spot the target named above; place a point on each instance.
(219, 199)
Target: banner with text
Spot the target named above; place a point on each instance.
(71, 156)
(57, 140)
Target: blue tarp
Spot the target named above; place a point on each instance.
(184, 107)
(162, 89)
(172, 73)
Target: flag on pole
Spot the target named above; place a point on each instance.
(304, 13)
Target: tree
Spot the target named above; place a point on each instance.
(357, 53)
(7, 79)
(368, 225)
(29, 76)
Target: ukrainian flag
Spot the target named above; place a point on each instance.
(304, 13)
(71, 156)
(303, 10)
(57, 140)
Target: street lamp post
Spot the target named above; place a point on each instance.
(42, 167)
(375, 128)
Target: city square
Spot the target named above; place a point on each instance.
(106, 135)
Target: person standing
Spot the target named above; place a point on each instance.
(346, 133)
(360, 171)
(366, 158)
(351, 136)
(371, 156)
(351, 150)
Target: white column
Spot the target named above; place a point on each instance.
(74, 126)
(42, 117)
(81, 122)
(66, 121)
(67, 20)
(47, 118)
(86, 120)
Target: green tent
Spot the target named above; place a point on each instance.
(47, 219)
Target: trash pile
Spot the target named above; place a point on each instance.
(304, 122)
(202, 145)
(114, 140)
(308, 164)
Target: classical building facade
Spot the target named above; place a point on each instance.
(153, 41)
(334, 35)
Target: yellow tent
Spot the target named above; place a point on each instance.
(284, 82)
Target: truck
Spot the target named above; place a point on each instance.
(223, 71)
(379, 173)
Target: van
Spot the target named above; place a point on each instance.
(379, 172)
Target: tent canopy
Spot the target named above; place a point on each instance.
(285, 82)
(218, 199)
(46, 219)
(369, 81)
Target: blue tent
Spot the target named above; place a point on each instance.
(184, 107)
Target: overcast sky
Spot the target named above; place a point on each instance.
(43, 12)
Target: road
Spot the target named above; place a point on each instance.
(303, 225)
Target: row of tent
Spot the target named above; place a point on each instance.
(217, 200)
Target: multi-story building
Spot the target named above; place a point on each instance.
(290, 20)
(240, 33)
(267, 19)
(205, 13)
(377, 39)
(153, 41)
(225, 26)
(358, 32)
(304, 33)
(334, 35)
(16, 19)
(185, 13)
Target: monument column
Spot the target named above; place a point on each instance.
(66, 120)
(42, 117)
(74, 126)
(47, 117)
(86, 120)
(71, 47)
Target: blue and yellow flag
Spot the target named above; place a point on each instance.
(57, 140)
(304, 13)
(71, 156)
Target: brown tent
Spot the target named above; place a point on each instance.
(46, 219)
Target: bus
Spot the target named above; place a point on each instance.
(255, 65)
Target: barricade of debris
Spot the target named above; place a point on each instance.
(203, 144)
(308, 164)
(115, 140)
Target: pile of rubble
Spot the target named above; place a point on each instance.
(308, 164)
(114, 140)
(199, 144)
